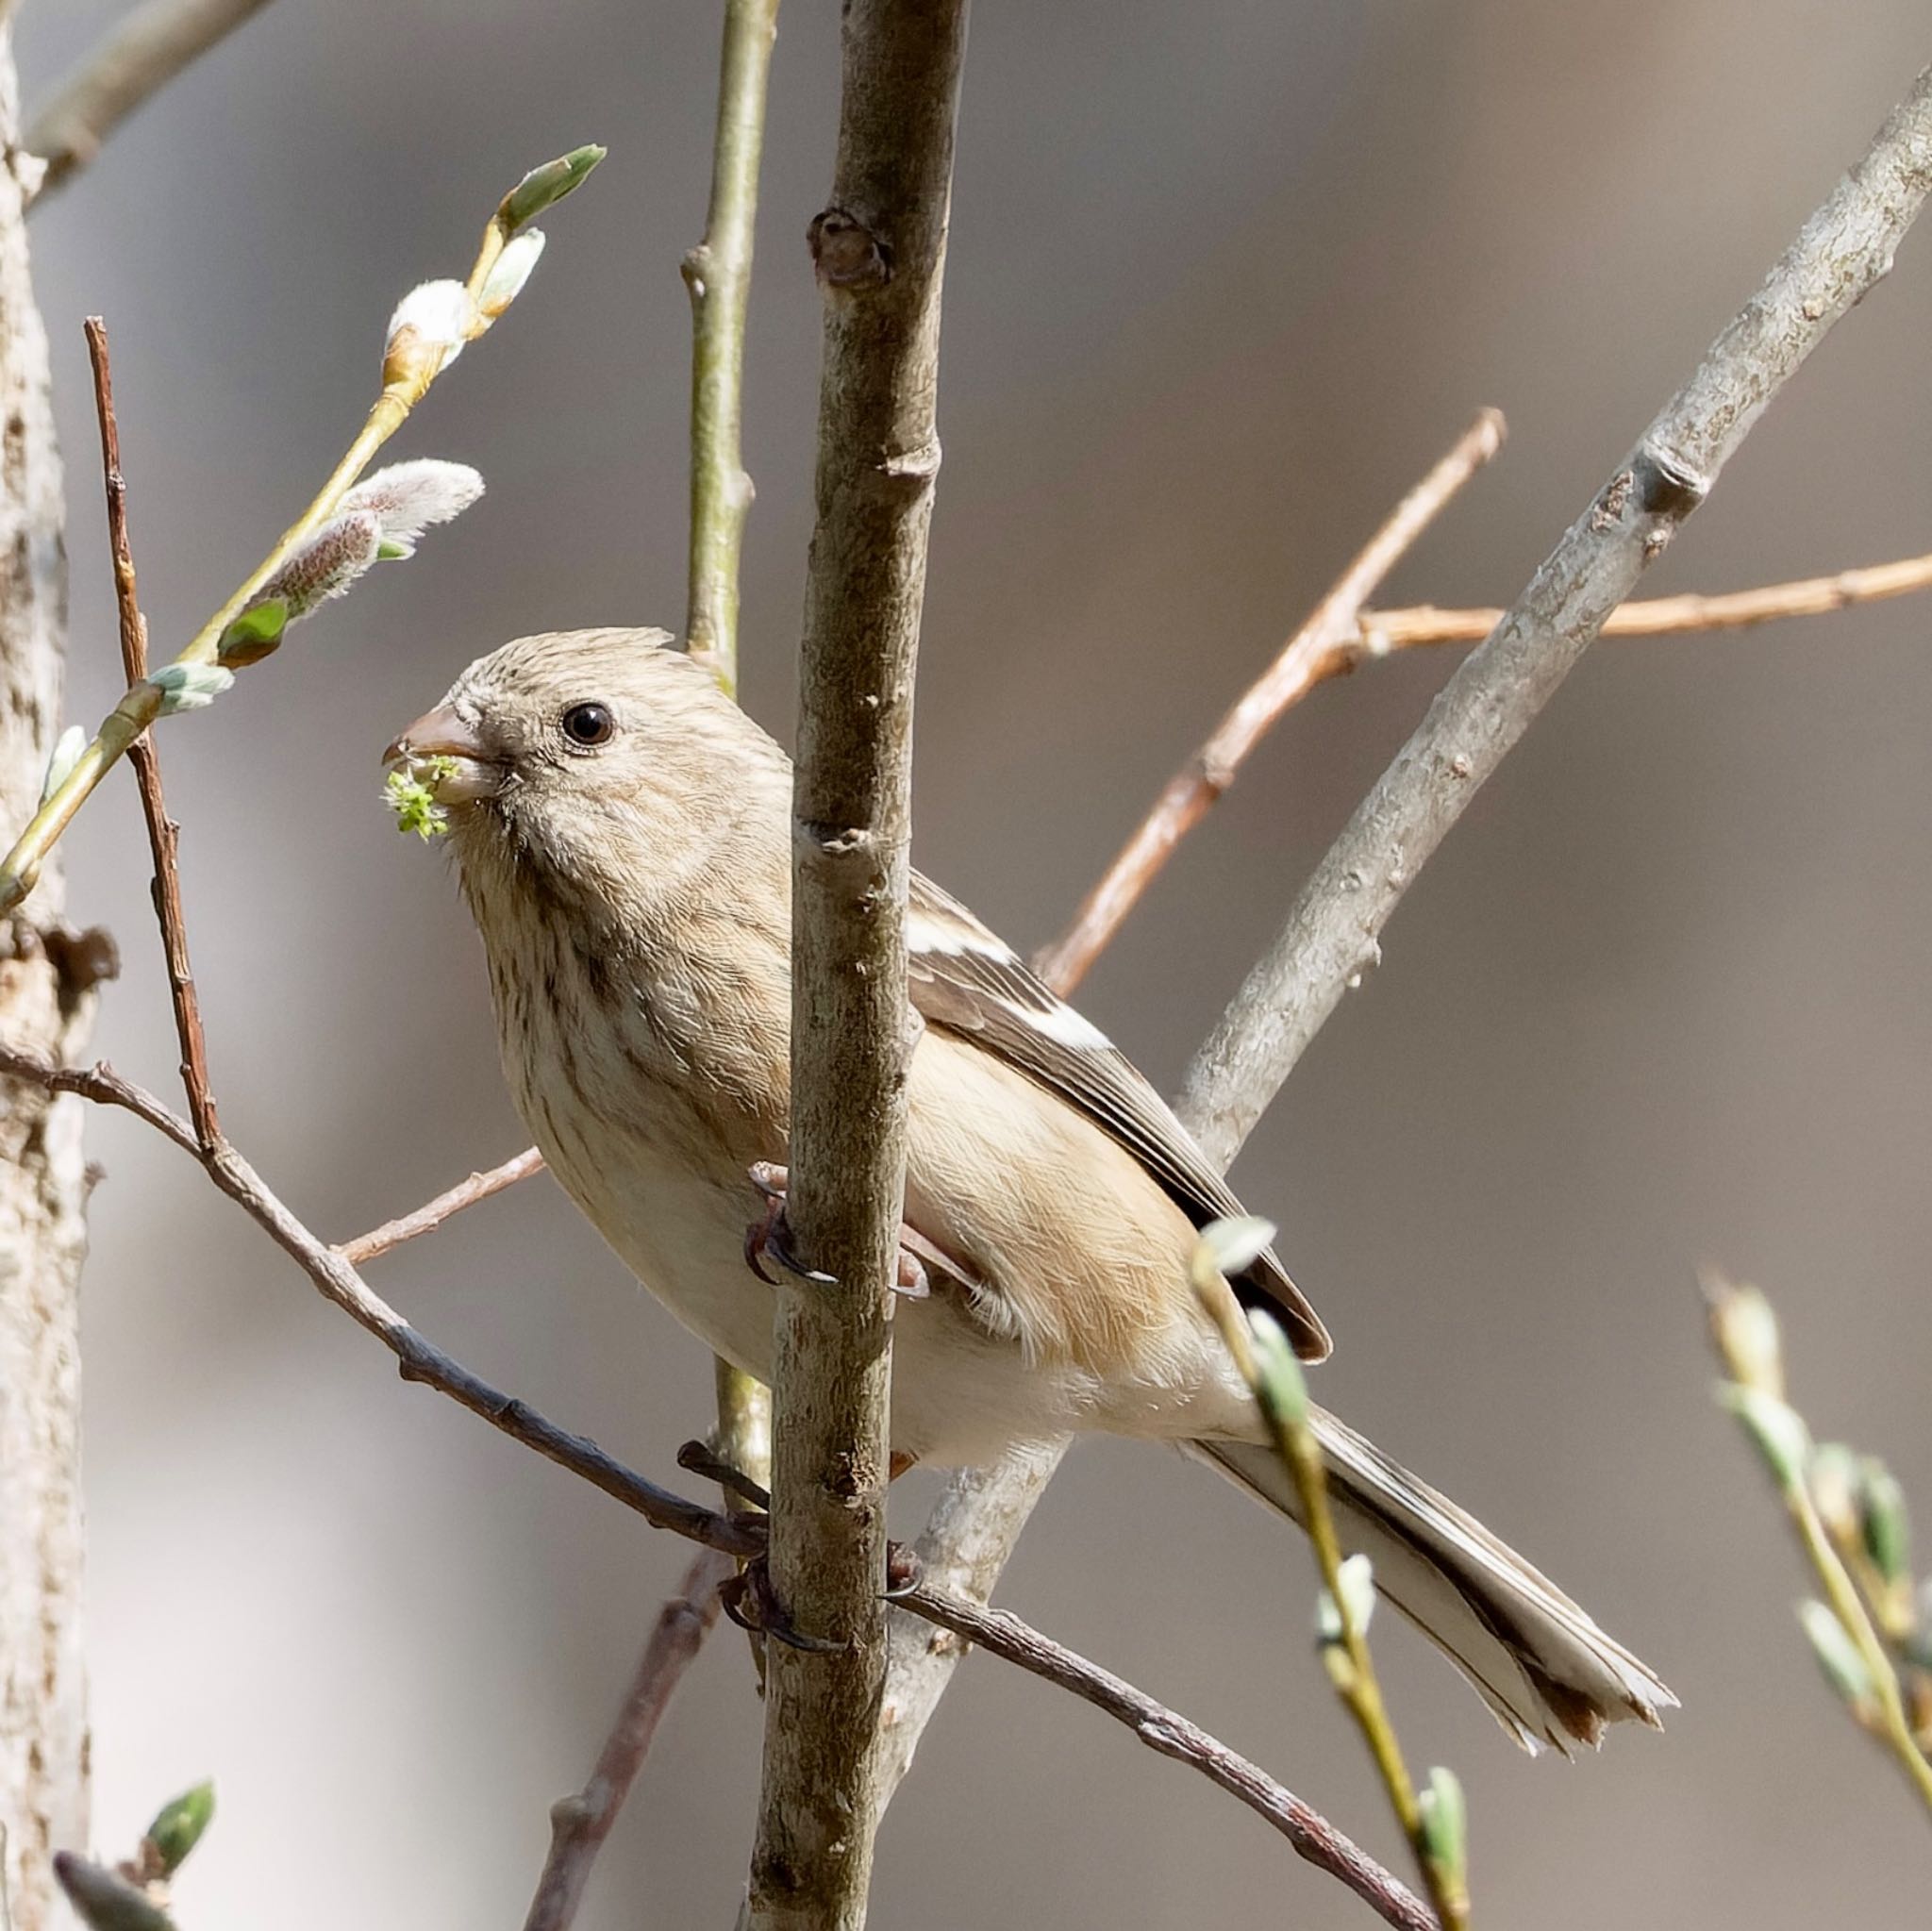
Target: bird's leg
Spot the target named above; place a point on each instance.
(919, 1258)
(749, 1599)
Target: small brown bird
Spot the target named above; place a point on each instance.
(623, 832)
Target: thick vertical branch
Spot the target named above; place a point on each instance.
(44, 1007)
(879, 250)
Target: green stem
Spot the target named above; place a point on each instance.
(718, 274)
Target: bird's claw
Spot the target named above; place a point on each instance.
(767, 1236)
(749, 1599)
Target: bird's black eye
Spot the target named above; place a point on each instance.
(588, 725)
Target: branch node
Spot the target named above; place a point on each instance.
(846, 255)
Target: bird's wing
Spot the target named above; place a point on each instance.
(965, 979)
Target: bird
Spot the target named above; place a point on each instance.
(621, 833)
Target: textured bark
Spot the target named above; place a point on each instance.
(45, 1005)
(879, 250)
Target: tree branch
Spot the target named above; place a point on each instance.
(418, 1359)
(579, 1824)
(1002, 1634)
(1311, 1833)
(1384, 632)
(879, 250)
(979, 1518)
(137, 59)
(164, 834)
(1331, 937)
(717, 273)
(1313, 654)
(432, 1213)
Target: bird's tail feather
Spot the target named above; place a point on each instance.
(1544, 1668)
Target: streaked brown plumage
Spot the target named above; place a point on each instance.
(621, 831)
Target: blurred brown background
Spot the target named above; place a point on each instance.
(1226, 279)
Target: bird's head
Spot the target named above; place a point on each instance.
(603, 760)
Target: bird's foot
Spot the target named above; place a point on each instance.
(919, 1258)
(700, 1458)
(751, 1602)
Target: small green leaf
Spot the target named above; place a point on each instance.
(410, 791)
(1357, 1579)
(1838, 1655)
(543, 186)
(178, 1825)
(1283, 1392)
(66, 755)
(255, 633)
(189, 687)
(1746, 1331)
(1445, 1829)
(1776, 1428)
(1884, 1520)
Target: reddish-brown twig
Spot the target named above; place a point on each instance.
(579, 1824)
(164, 834)
(432, 1213)
(1383, 632)
(421, 1361)
(1315, 651)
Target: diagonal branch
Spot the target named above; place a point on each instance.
(1838, 255)
(879, 250)
(579, 1825)
(1311, 655)
(432, 1213)
(1002, 1634)
(1331, 935)
(137, 59)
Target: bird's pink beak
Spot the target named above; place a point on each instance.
(442, 734)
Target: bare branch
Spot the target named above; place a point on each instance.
(1313, 654)
(1331, 938)
(979, 1518)
(418, 1357)
(164, 834)
(432, 1213)
(1312, 1835)
(718, 274)
(137, 59)
(1383, 632)
(579, 1824)
(1002, 1634)
(879, 250)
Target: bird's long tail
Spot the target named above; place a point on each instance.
(1545, 1670)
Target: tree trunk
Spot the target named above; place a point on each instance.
(46, 1007)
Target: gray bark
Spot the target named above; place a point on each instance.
(46, 1005)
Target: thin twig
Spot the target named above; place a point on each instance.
(432, 1213)
(979, 1518)
(138, 57)
(1383, 632)
(164, 834)
(418, 1359)
(1315, 651)
(717, 274)
(1003, 1634)
(579, 1824)
(879, 251)
(1282, 1399)
(1745, 1331)
(1311, 1833)
(1331, 938)
(411, 365)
